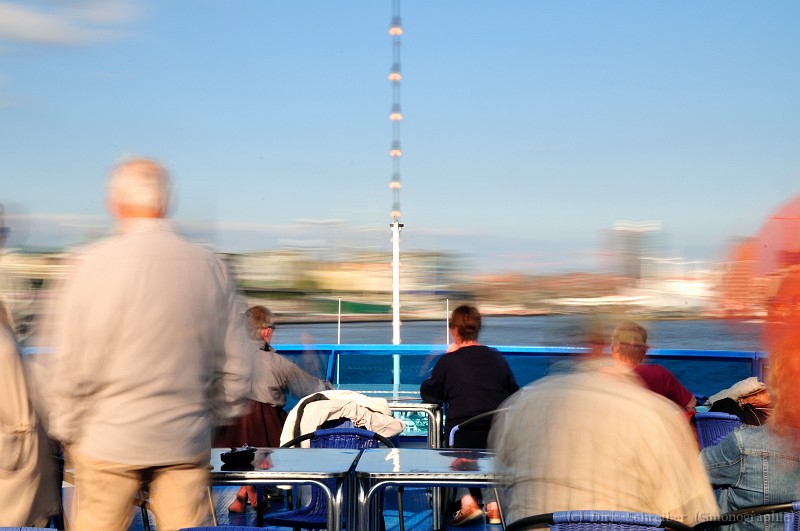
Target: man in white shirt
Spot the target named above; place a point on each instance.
(150, 352)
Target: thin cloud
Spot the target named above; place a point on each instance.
(64, 23)
(54, 218)
(105, 12)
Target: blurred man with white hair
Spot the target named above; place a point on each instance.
(150, 349)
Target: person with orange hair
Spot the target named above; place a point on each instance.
(761, 465)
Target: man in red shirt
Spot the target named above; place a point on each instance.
(629, 346)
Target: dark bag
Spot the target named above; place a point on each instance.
(747, 413)
(239, 456)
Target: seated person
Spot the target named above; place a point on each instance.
(273, 377)
(595, 438)
(760, 465)
(471, 379)
(629, 346)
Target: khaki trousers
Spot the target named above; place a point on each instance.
(104, 494)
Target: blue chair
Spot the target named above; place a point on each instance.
(606, 520)
(712, 426)
(485, 417)
(790, 516)
(315, 514)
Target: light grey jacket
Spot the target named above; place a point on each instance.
(28, 492)
(150, 349)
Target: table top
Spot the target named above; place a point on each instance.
(415, 403)
(287, 463)
(426, 463)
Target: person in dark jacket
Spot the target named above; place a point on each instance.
(470, 379)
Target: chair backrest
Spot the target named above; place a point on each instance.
(348, 438)
(791, 519)
(355, 438)
(482, 417)
(712, 426)
(606, 520)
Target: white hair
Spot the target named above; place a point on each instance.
(140, 183)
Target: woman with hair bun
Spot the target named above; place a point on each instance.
(470, 379)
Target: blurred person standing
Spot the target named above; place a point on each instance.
(15, 288)
(273, 377)
(760, 465)
(150, 349)
(470, 379)
(596, 438)
(585, 334)
(28, 489)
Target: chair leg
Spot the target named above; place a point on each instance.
(211, 506)
(141, 501)
(402, 522)
(57, 521)
(499, 508)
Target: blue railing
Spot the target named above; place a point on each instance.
(401, 368)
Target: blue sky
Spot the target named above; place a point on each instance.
(530, 128)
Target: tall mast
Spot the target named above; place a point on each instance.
(396, 116)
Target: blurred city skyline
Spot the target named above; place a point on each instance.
(530, 128)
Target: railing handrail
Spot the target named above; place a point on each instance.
(420, 349)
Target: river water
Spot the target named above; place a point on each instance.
(703, 334)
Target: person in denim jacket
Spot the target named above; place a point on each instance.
(755, 466)
(761, 465)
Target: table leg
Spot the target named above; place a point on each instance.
(437, 494)
(363, 503)
(260, 513)
(352, 503)
(335, 506)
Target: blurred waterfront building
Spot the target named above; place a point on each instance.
(632, 241)
(742, 290)
(298, 281)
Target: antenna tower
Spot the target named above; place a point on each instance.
(396, 116)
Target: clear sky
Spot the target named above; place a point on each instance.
(531, 126)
